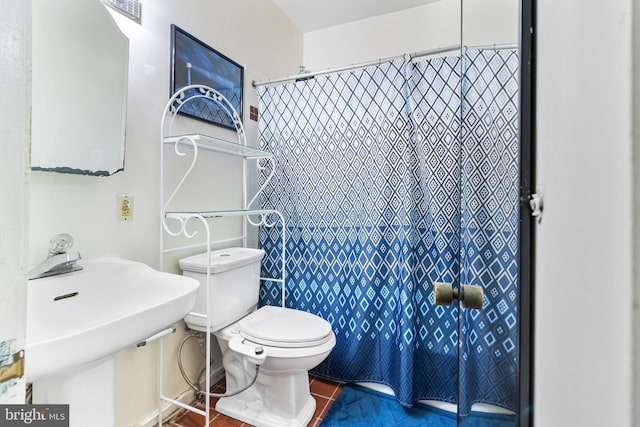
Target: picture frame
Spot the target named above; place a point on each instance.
(195, 62)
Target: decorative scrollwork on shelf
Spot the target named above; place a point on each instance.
(193, 93)
(262, 166)
(189, 141)
(263, 219)
(183, 221)
(185, 140)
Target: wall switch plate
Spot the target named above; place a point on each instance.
(125, 207)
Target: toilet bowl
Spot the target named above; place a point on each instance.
(284, 342)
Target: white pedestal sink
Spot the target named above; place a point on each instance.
(88, 390)
(77, 321)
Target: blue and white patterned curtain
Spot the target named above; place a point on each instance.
(489, 229)
(379, 195)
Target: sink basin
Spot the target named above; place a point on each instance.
(77, 318)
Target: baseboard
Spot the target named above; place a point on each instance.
(169, 409)
(216, 375)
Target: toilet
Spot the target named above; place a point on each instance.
(283, 342)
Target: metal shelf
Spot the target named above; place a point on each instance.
(216, 214)
(218, 145)
(175, 223)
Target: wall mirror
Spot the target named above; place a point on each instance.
(80, 70)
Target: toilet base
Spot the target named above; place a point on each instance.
(280, 394)
(236, 407)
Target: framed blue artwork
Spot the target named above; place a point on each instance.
(195, 62)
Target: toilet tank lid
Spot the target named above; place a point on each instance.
(222, 260)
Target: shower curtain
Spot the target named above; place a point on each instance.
(389, 181)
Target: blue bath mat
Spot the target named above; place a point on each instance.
(362, 407)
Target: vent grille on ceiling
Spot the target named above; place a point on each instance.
(130, 8)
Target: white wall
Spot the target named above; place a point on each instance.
(432, 26)
(253, 33)
(489, 22)
(15, 117)
(583, 254)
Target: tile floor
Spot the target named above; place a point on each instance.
(323, 391)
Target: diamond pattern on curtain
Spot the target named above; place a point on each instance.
(368, 167)
(490, 217)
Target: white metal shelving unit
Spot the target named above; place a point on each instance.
(174, 222)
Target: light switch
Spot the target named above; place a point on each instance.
(125, 207)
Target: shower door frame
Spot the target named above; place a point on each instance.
(527, 224)
(526, 245)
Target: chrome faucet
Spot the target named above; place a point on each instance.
(59, 260)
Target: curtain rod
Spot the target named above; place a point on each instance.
(377, 62)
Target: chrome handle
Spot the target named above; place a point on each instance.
(471, 296)
(60, 243)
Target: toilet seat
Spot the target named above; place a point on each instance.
(285, 327)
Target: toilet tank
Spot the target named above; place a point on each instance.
(234, 284)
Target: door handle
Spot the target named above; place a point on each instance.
(471, 296)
